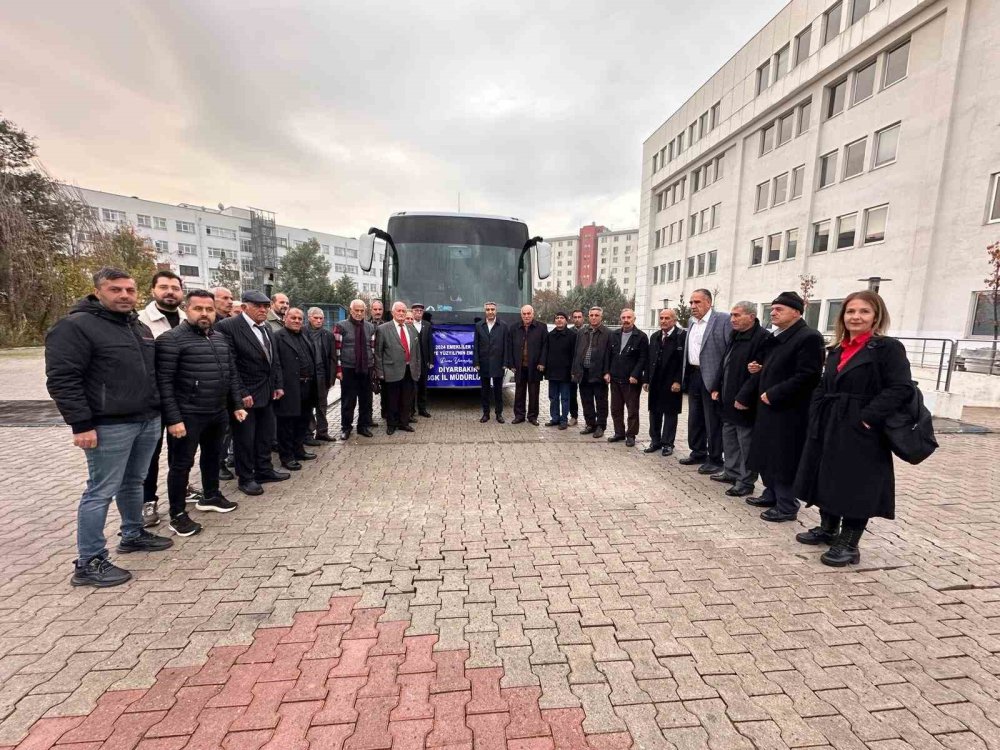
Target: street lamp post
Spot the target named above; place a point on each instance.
(874, 282)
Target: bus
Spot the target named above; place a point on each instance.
(453, 264)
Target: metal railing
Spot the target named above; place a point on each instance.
(937, 354)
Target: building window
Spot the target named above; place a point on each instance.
(886, 141)
(701, 264)
(833, 308)
(854, 158)
(827, 169)
(785, 126)
(188, 270)
(760, 203)
(757, 251)
(831, 22)
(715, 115)
(245, 246)
(763, 77)
(896, 63)
(767, 139)
(860, 8)
(703, 125)
(798, 178)
(821, 236)
(805, 116)
(713, 261)
(184, 226)
(246, 266)
(864, 83)
(184, 249)
(693, 225)
(115, 217)
(836, 94)
(219, 252)
(144, 221)
(847, 230)
(159, 223)
(982, 314)
(791, 243)
(162, 246)
(774, 247)
(781, 62)
(229, 234)
(802, 40)
(780, 192)
(717, 209)
(993, 214)
(875, 220)
(690, 267)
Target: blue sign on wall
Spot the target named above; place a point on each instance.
(453, 358)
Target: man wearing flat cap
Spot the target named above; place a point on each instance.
(792, 361)
(259, 368)
(425, 333)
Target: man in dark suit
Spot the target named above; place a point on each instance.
(322, 339)
(250, 338)
(592, 371)
(783, 387)
(303, 380)
(662, 380)
(737, 424)
(397, 361)
(629, 354)
(707, 339)
(526, 358)
(576, 319)
(425, 332)
(378, 318)
(489, 356)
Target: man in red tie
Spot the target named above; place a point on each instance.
(397, 360)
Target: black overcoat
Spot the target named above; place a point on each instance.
(290, 405)
(743, 349)
(664, 369)
(792, 364)
(846, 468)
(489, 350)
(536, 334)
(560, 346)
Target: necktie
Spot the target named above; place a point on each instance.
(266, 341)
(405, 343)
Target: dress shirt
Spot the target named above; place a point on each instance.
(258, 334)
(696, 338)
(409, 339)
(417, 324)
(489, 325)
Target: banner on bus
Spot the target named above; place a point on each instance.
(453, 358)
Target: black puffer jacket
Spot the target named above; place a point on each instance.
(196, 372)
(99, 366)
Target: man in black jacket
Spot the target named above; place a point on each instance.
(354, 361)
(99, 365)
(196, 373)
(561, 343)
(489, 356)
(737, 424)
(319, 428)
(576, 325)
(303, 379)
(592, 371)
(662, 380)
(629, 355)
(425, 332)
(783, 387)
(260, 373)
(525, 357)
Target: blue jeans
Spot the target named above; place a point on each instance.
(116, 469)
(559, 395)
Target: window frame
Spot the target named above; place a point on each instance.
(763, 76)
(788, 243)
(798, 58)
(993, 206)
(885, 65)
(865, 242)
(854, 242)
(852, 18)
(181, 272)
(790, 118)
(876, 142)
(815, 232)
(803, 110)
(774, 190)
(873, 65)
(768, 247)
(826, 36)
(831, 98)
(801, 171)
(778, 72)
(757, 251)
(864, 158)
(178, 226)
(831, 320)
(757, 196)
(772, 128)
(820, 185)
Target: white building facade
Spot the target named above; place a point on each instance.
(194, 239)
(846, 140)
(616, 258)
(564, 264)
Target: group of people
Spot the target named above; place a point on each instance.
(773, 404)
(239, 384)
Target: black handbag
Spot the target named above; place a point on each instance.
(910, 431)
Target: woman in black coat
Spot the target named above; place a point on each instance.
(846, 467)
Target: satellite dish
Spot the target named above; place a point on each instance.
(222, 207)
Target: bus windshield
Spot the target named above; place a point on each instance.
(458, 278)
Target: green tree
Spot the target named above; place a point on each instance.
(121, 248)
(304, 275)
(605, 294)
(344, 290)
(227, 274)
(547, 302)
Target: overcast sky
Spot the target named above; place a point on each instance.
(336, 114)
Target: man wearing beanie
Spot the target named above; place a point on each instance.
(792, 362)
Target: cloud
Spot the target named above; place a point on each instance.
(336, 114)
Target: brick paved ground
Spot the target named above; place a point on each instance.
(502, 586)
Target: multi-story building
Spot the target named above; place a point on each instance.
(193, 240)
(851, 141)
(595, 253)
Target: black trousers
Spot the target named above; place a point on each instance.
(574, 409)
(491, 386)
(252, 442)
(625, 396)
(355, 390)
(153, 473)
(318, 424)
(594, 398)
(205, 431)
(704, 421)
(422, 390)
(400, 398)
(525, 390)
(780, 493)
(292, 431)
(227, 445)
(662, 428)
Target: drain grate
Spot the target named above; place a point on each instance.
(29, 414)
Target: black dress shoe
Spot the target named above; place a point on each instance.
(484, 419)
(225, 474)
(615, 438)
(375, 424)
(365, 432)
(652, 448)
(533, 422)
(737, 491)
(390, 430)
(690, 461)
(251, 488)
(668, 451)
(292, 465)
(273, 476)
(345, 434)
(552, 423)
(723, 477)
(709, 469)
(326, 439)
(598, 433)
(759, 502)
(630, 441)
(776, 516)
(587, 430)
(500, 418)
(517, 420)
(311, 442)
(425, 414)
(407, 428)
(305, 456)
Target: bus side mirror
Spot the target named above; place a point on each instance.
(366, 251)
(543, 257)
